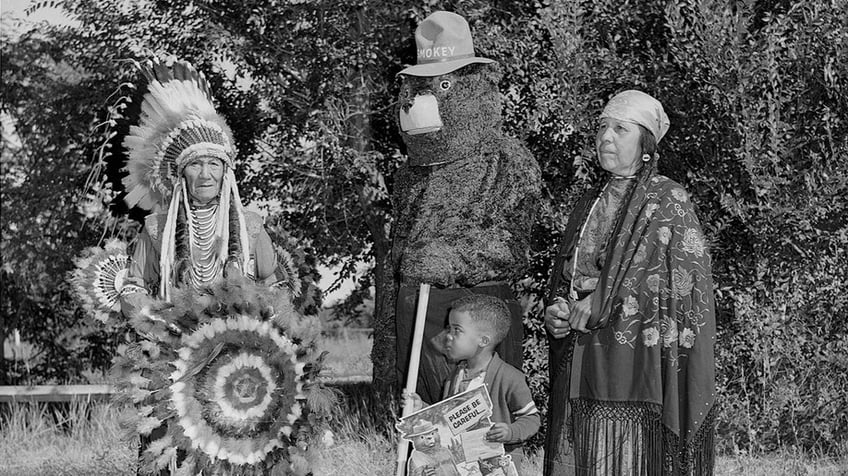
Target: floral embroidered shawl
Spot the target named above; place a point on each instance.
(654, 321)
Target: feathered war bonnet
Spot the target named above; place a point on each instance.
(177, 124)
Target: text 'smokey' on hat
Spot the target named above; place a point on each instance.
(444, 44)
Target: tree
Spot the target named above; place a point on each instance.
(42, 179)
(756, 91)
(61, 85)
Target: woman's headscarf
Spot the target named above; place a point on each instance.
(639, 108)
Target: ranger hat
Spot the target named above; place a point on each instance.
(421, 428)
(444, 45)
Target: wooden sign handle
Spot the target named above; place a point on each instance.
(412, 374)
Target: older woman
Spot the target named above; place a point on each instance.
(631, 316)
(181, 166)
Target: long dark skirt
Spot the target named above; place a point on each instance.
(597, 438)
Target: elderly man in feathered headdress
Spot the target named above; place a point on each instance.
(180, 164)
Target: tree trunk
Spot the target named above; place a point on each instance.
(383, 351)
(360, 135)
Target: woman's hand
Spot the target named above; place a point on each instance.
(581, 311)
(556, 319)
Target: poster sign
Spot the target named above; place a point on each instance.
(468, 413)
(449, 438)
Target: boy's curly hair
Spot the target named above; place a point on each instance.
(487, 310)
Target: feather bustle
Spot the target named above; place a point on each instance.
(96, 277)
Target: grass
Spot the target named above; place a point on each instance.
(83, 438)
(348, 356)
(80, 438)
(784, 461)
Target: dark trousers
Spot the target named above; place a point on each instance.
(435, 368)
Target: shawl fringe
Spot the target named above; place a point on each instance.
(616, 438)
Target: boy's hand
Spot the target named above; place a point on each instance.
(414, 400)
(498, 432)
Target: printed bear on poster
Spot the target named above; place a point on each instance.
(466, 200)
(429, 457)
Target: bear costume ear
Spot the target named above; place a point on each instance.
(491, 72)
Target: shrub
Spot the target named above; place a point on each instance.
(757, 94)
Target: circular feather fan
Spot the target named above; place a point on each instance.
(232, 390)
(237, 389)
(99, 276)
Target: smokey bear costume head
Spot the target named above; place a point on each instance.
(467, 102)
(449, 102)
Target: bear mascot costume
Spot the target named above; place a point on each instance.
(466, 199)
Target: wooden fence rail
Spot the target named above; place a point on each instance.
(54, 393)
(67, 393)
(347, 333)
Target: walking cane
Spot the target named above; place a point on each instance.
(412, 374)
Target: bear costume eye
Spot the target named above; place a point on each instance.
(445, 85)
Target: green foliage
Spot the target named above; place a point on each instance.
(757, 93)
(779, 83)
(43, 179)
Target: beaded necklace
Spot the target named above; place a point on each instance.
(204, 265)
(572, 292)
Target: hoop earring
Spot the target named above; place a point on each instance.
(646, 158)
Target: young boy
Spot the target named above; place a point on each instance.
(477, 323)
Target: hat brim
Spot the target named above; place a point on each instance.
(442, 67)
(422, 433)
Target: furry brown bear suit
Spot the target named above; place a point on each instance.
(464, 207)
